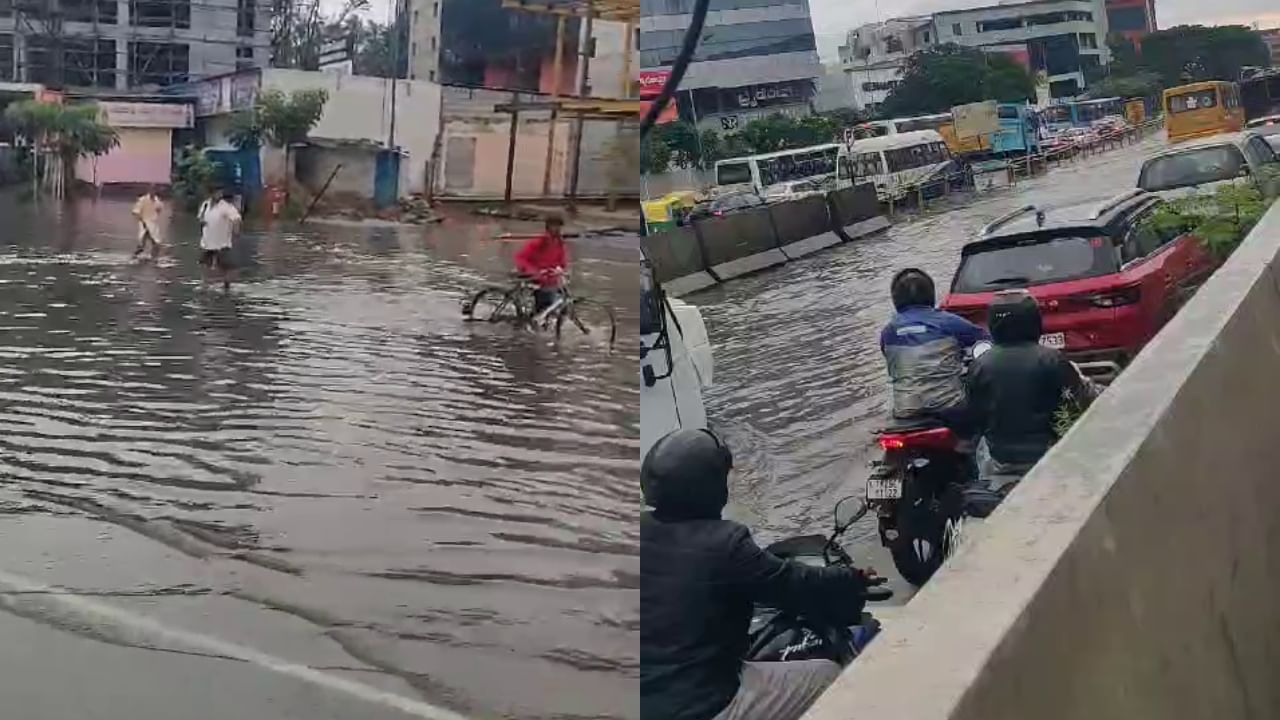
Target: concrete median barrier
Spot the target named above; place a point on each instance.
(1135, 572)
(739, 243)
(803, 226)
(855, 212)
(677, 260)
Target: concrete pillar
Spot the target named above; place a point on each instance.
(122, 44)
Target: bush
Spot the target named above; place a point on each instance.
(195, 177)
(1220, 219)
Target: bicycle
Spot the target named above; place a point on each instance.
(514, 303)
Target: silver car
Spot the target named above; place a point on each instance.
(1201, 165)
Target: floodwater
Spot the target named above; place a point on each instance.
(799, 380)
(327, 464)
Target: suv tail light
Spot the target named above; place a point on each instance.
(1115, 298)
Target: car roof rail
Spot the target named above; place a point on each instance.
(991, 226)
(1108, 205)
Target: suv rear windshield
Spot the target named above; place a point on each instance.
(733, 173)
(1035, 261)
(1192, 167)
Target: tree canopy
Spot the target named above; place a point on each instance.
(279, 119)
(1187, 53)
(943, 76)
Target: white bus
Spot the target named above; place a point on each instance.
(895, 163)
(757, 172)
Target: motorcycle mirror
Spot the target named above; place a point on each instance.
(980, 347)
(848, 510)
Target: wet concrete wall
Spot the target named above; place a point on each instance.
(722, 248)
(1135, 573)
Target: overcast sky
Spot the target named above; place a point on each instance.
(831, 18)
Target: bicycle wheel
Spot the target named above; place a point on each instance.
(590, 317)
(494, 304)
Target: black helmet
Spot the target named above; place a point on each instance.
(912, 288)
(685, 475)
(1014, 318)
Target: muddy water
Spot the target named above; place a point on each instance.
(799, 380)
(448, 509)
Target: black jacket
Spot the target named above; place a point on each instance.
(1014, 391)
(699, 581)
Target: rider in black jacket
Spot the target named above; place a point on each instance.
(700, 576)
(1014, 390)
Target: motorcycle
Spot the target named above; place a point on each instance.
(777, 636)
(915, 490)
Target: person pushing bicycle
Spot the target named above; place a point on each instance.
(544, 261)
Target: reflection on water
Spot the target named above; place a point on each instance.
(800, 383)
(454, 504)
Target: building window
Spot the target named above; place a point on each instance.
(6, 58)
(160, 13)
(926, 37)
(1088, 41)
(413, 48)
(433, 43)
(999, 24)
(245, 12)
(415, 18)
(89, 62)
(435, 9)
(893, 44)
(956, 29)
(431, 75)
(1127, 19)
(89, 11)
(158, 63)
(244, 58)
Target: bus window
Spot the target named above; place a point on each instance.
(868, 165)
(1007, 112)
(733, 173)
(1198, 100)
(845, 169)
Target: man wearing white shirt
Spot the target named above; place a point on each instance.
(221, 221)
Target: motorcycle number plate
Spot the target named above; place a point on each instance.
(884, 487)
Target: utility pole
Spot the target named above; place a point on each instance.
(586, 47)
(557, 70)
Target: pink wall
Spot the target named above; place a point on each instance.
(143, 157)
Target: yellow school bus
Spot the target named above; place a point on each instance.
(1202, 109)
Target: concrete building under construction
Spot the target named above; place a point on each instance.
(121, 45)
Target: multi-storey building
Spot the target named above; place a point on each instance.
(130, 44)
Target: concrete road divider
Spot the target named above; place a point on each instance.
(739, 243)
(677, 260)
(803, 226)
(855, 211)
(1135, 571)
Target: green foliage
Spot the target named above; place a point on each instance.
(195, 177)
(655, 154)
(845, 117)
(69, 131)
(1140, 84)
(943, 76)
(278, 119)
(1220, 219)
(1188, 53)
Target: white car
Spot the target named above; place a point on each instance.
(797, 189)
(675, 365)
(1269, 125)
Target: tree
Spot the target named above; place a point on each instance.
(60, 134)
(1141, 84)
(1188, 53)
(655, 155)
(279, 120)
(943, 76)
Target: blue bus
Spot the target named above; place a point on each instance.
(1019, 130)
(1081, 113)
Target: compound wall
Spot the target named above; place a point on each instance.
(1135, 573)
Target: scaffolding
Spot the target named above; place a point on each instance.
(86, 44)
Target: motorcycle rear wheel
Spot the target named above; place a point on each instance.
(922, 540)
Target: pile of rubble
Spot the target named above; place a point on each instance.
(414, 209)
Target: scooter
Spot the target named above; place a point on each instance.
(915, 490)
(778, 636)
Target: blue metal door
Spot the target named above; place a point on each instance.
(386, 178)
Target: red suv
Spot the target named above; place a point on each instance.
(1106, 279)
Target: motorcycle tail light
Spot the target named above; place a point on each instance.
(940, 438)
(892, 442)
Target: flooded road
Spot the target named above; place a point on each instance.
(800, 382)
(327, 464)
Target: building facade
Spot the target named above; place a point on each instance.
(1272, 39)
(424, 40)
(113, 45)
(756, 58)
(874, 56)
(1131, 19)
(1065, 41)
